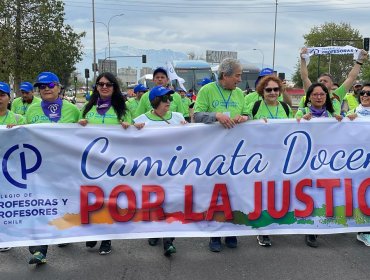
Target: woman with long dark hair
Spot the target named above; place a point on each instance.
(106, 106)
(318, 104)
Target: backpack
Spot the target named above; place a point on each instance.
(257, 105)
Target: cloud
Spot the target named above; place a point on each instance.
(218, 25)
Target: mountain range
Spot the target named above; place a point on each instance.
(130, 56)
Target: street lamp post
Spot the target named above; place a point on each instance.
(263, 57)
(106, 26)
(108, 30)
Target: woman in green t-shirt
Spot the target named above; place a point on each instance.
(269, 88)
(317, 104)
(7, 117)
(106, 106)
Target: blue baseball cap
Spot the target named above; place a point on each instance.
(46, 78)
(180, 89)
(5, 88)
(205, 81)
(140, 87)
(264, 72)
(26, 86)
(159, 91)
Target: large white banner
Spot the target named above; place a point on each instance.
(67, 183)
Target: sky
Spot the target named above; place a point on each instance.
(200, 25)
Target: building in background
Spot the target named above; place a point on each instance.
(146, 70)
(127, 76)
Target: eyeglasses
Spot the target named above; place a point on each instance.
(166, 97)
(316, 95)
(363, 92)
(101, 84)
(49, 85)
(275, 89)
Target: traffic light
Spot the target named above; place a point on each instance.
(143, 58)
(366, 44)
(87, 73)
(75, 79)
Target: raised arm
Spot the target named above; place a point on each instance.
(352, 76)
(304, 71)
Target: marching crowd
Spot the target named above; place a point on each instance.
(217, 101)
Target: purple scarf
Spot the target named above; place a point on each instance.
(53, 110)
(102, 106)
(319, 113)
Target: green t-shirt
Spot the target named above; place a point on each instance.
(145, 106)
(131, 105)
(213, 98)
(271, 112)
(11, 118)
(20, 108)
(303, 111)
(185, 104)
(351, 101)
(35, 114)
(337, 104)
(110, 117)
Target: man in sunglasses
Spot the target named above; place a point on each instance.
(222, 101)
(21, 104)
(160, 78)
(51, 109)
(337, 95)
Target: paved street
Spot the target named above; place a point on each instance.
(339, 256)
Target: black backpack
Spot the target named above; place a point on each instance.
(257, 105)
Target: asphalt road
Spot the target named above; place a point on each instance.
(339, 256)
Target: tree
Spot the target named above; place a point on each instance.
(37, 39)
(331, 34)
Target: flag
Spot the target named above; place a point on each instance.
(173, 76)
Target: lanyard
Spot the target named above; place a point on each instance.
(277, 110)
(228, 100)
(163, 119)
(6, 116)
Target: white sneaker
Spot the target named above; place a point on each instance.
(364, 237)
(5, 249)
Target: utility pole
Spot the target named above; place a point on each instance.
(94, 46)
(273, 55)
(18, 47)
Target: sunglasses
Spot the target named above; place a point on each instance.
(275, 89)
(166, 97)
(363, 92)
(49, 85)
(101, 84)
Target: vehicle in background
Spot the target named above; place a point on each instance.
(249, 76)
(192, 71)
(147, 81)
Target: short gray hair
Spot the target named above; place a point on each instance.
(227, 67)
